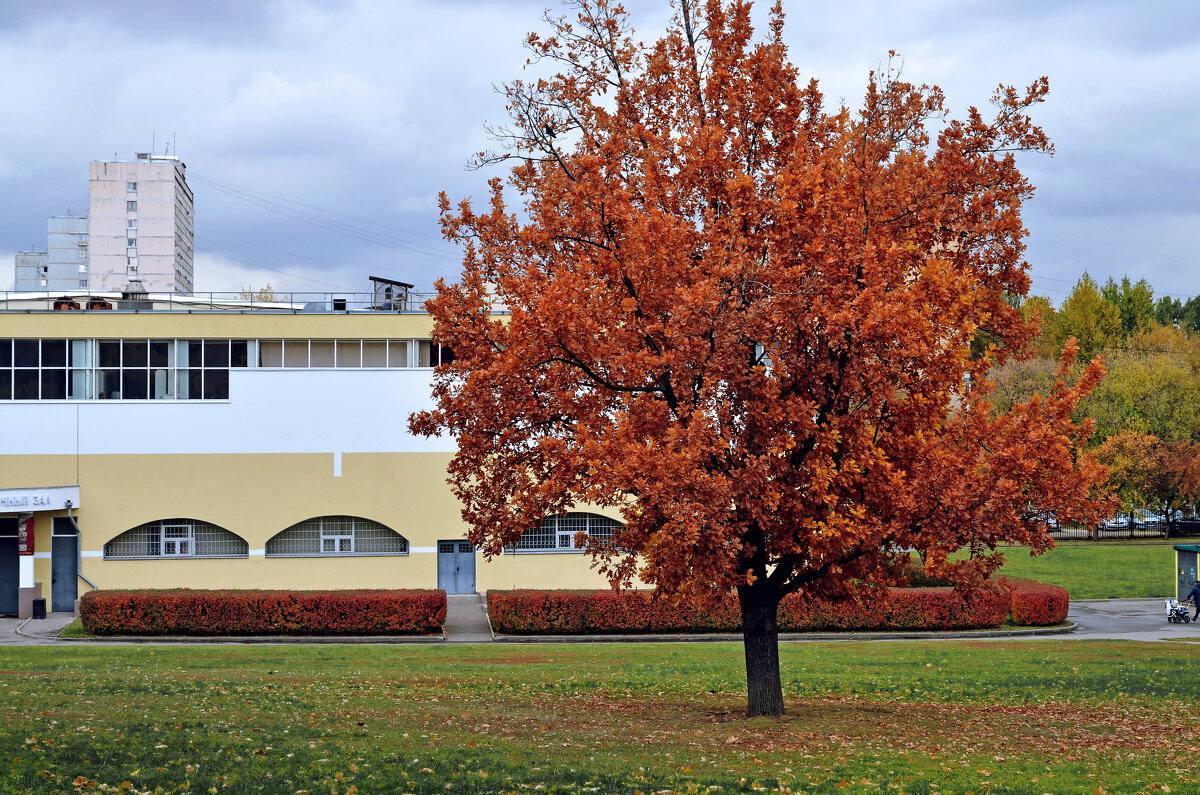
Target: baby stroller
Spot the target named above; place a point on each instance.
(1177, 613)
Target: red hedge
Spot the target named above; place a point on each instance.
(196, 612)
(1036, 604)
(530, 612)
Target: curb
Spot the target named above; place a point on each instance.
(793, 637)
(299, 640)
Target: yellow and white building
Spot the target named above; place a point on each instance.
(175, 442)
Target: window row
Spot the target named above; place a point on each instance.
(566, 533)
(331, 536)
(322, 536)
(175, 369)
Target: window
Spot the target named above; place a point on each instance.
(558, 533)
(131, 223)
(131, 206)
(177, 538)
(336, 535)
(131, 187)
(131, 242)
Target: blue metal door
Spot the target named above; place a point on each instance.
(456, 567)
(64, 564)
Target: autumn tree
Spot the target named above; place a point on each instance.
(742, 319)
(1152, 387)
(1087, 317)
(1145, 470)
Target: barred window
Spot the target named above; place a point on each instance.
(336, 535)
(557, 533)
(177, 538)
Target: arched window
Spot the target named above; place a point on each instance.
(177, 538)
(557, 533)
(336, 535)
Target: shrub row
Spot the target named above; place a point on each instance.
(1036, 604)
(196, 612)
(531, 612)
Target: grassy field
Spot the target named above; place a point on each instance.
(1100, 570)
(1055, 716)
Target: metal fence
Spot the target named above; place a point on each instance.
(1129, 529)
(290, 302)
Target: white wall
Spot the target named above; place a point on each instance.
(269, 411)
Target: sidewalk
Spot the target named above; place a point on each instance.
(467, 622)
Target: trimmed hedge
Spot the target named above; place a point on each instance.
(1036, 604)
(531, 612)
(231, 612)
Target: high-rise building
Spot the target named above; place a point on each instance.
(63, 267)
(140, 216)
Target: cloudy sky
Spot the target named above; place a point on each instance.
(317, 133)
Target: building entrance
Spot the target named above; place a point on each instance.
(10, 571)
(64, 566)
(456, 567)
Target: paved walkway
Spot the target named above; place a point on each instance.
(466, 622)
(466, 619)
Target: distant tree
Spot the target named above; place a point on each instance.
(1134, 303)
(1168, 311)
(265, 293)
(1039, 310)
(744, 322)
(1018, 380)
(1152, 387)
(1089, 318)
(1145, 470)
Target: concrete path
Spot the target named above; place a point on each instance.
(466, 619)
(467, 622)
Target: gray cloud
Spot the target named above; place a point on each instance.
(357, 113)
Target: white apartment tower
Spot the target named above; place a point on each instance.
(140, 217)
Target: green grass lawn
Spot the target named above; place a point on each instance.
(1057, 716)
(1100, 570)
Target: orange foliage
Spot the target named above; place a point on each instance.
(743, 319)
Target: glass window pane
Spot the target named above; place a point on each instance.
(5, 384)
(424, 351)
(295, 353)
(239, 355)
(195, 354)
(133, 353)
(81, 382)
(80, 353)
(134, 384)
(161, 384)
(160, 353)
(54, 353)
(25, 384)
(216, 384)
(54, 384)
(110, 353)
(108, 384)
(321, 353)
(374, 353)
(216, 353)
(195, 384)
(270, 353)
(445, 355)
(5, 353)
(25, 353)
(348, 353)
(398, 353)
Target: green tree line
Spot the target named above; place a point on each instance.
(1146, 411)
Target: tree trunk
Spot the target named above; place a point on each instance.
(760, 633)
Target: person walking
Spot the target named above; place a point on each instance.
(1194, 597)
